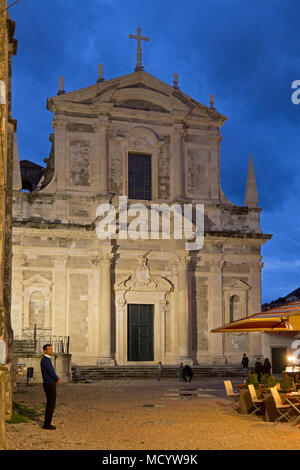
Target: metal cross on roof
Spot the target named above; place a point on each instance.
(139, 48)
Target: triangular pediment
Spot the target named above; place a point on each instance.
(139, 91)
(238, 285)
(37, 279)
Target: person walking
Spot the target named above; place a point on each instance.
(50, 379)
(159, 370)
(267, 367)
(187, 372)
(181, 372)
(245, 362)
(258, 368)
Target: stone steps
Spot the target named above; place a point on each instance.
(84, 373)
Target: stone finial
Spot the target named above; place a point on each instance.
(100, 73)
(251, 198)
(212, 102)
(61, 90)
(175, 81)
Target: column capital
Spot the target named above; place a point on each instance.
(256, 266)
(61, 261)
(59, 123)
(217, 265)
(106, 257)
(181, 260)
(103, 122)
(95, 262)
(178, 130)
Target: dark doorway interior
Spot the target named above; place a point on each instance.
(279, 360)
(140, 332)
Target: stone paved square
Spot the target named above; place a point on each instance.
(147, 415)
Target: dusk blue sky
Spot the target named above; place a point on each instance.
(245, 52)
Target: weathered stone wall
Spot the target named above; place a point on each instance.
(8, 47)
(2, 408)
(79, 308)
(61, 364)
(7, 370)
(164, 172)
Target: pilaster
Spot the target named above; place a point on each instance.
(216, 315)
(257, 341)
(105, 310)
(182, 351)
(60, 321)
(177, 162)
(59, 126)
(101, 128)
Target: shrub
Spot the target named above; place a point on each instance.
(286, 383)
(268, 380)
(252, 379)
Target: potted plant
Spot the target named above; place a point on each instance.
(252, 379)
(286, 383)
(268, 381)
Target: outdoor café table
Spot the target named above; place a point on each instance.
(239, 386)
(293, 398)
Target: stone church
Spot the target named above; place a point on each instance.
(135, 301)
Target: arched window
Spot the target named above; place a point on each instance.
(235, 308)
(37, 310)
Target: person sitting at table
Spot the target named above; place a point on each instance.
(187, 372)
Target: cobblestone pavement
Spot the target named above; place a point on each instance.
(147, 415)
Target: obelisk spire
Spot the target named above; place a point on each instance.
(139, 48)
(251, 198)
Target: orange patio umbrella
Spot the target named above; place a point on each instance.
(285, 318)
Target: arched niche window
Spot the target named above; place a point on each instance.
(37, 310)
(236, 310)
(236, 301)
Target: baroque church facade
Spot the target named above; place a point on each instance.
(123, 301)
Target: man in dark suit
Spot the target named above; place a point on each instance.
(50, 379)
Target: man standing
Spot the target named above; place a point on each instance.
(245, 362)
(50, 379)
(258, 368)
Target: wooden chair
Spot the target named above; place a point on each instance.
(257, 402)
(282, 409)
(229, 389)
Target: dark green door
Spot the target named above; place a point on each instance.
(140, 332)
(279, 360)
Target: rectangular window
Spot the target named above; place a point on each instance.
(139, 176)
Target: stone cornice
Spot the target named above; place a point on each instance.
(245, 235)
(30, 224)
